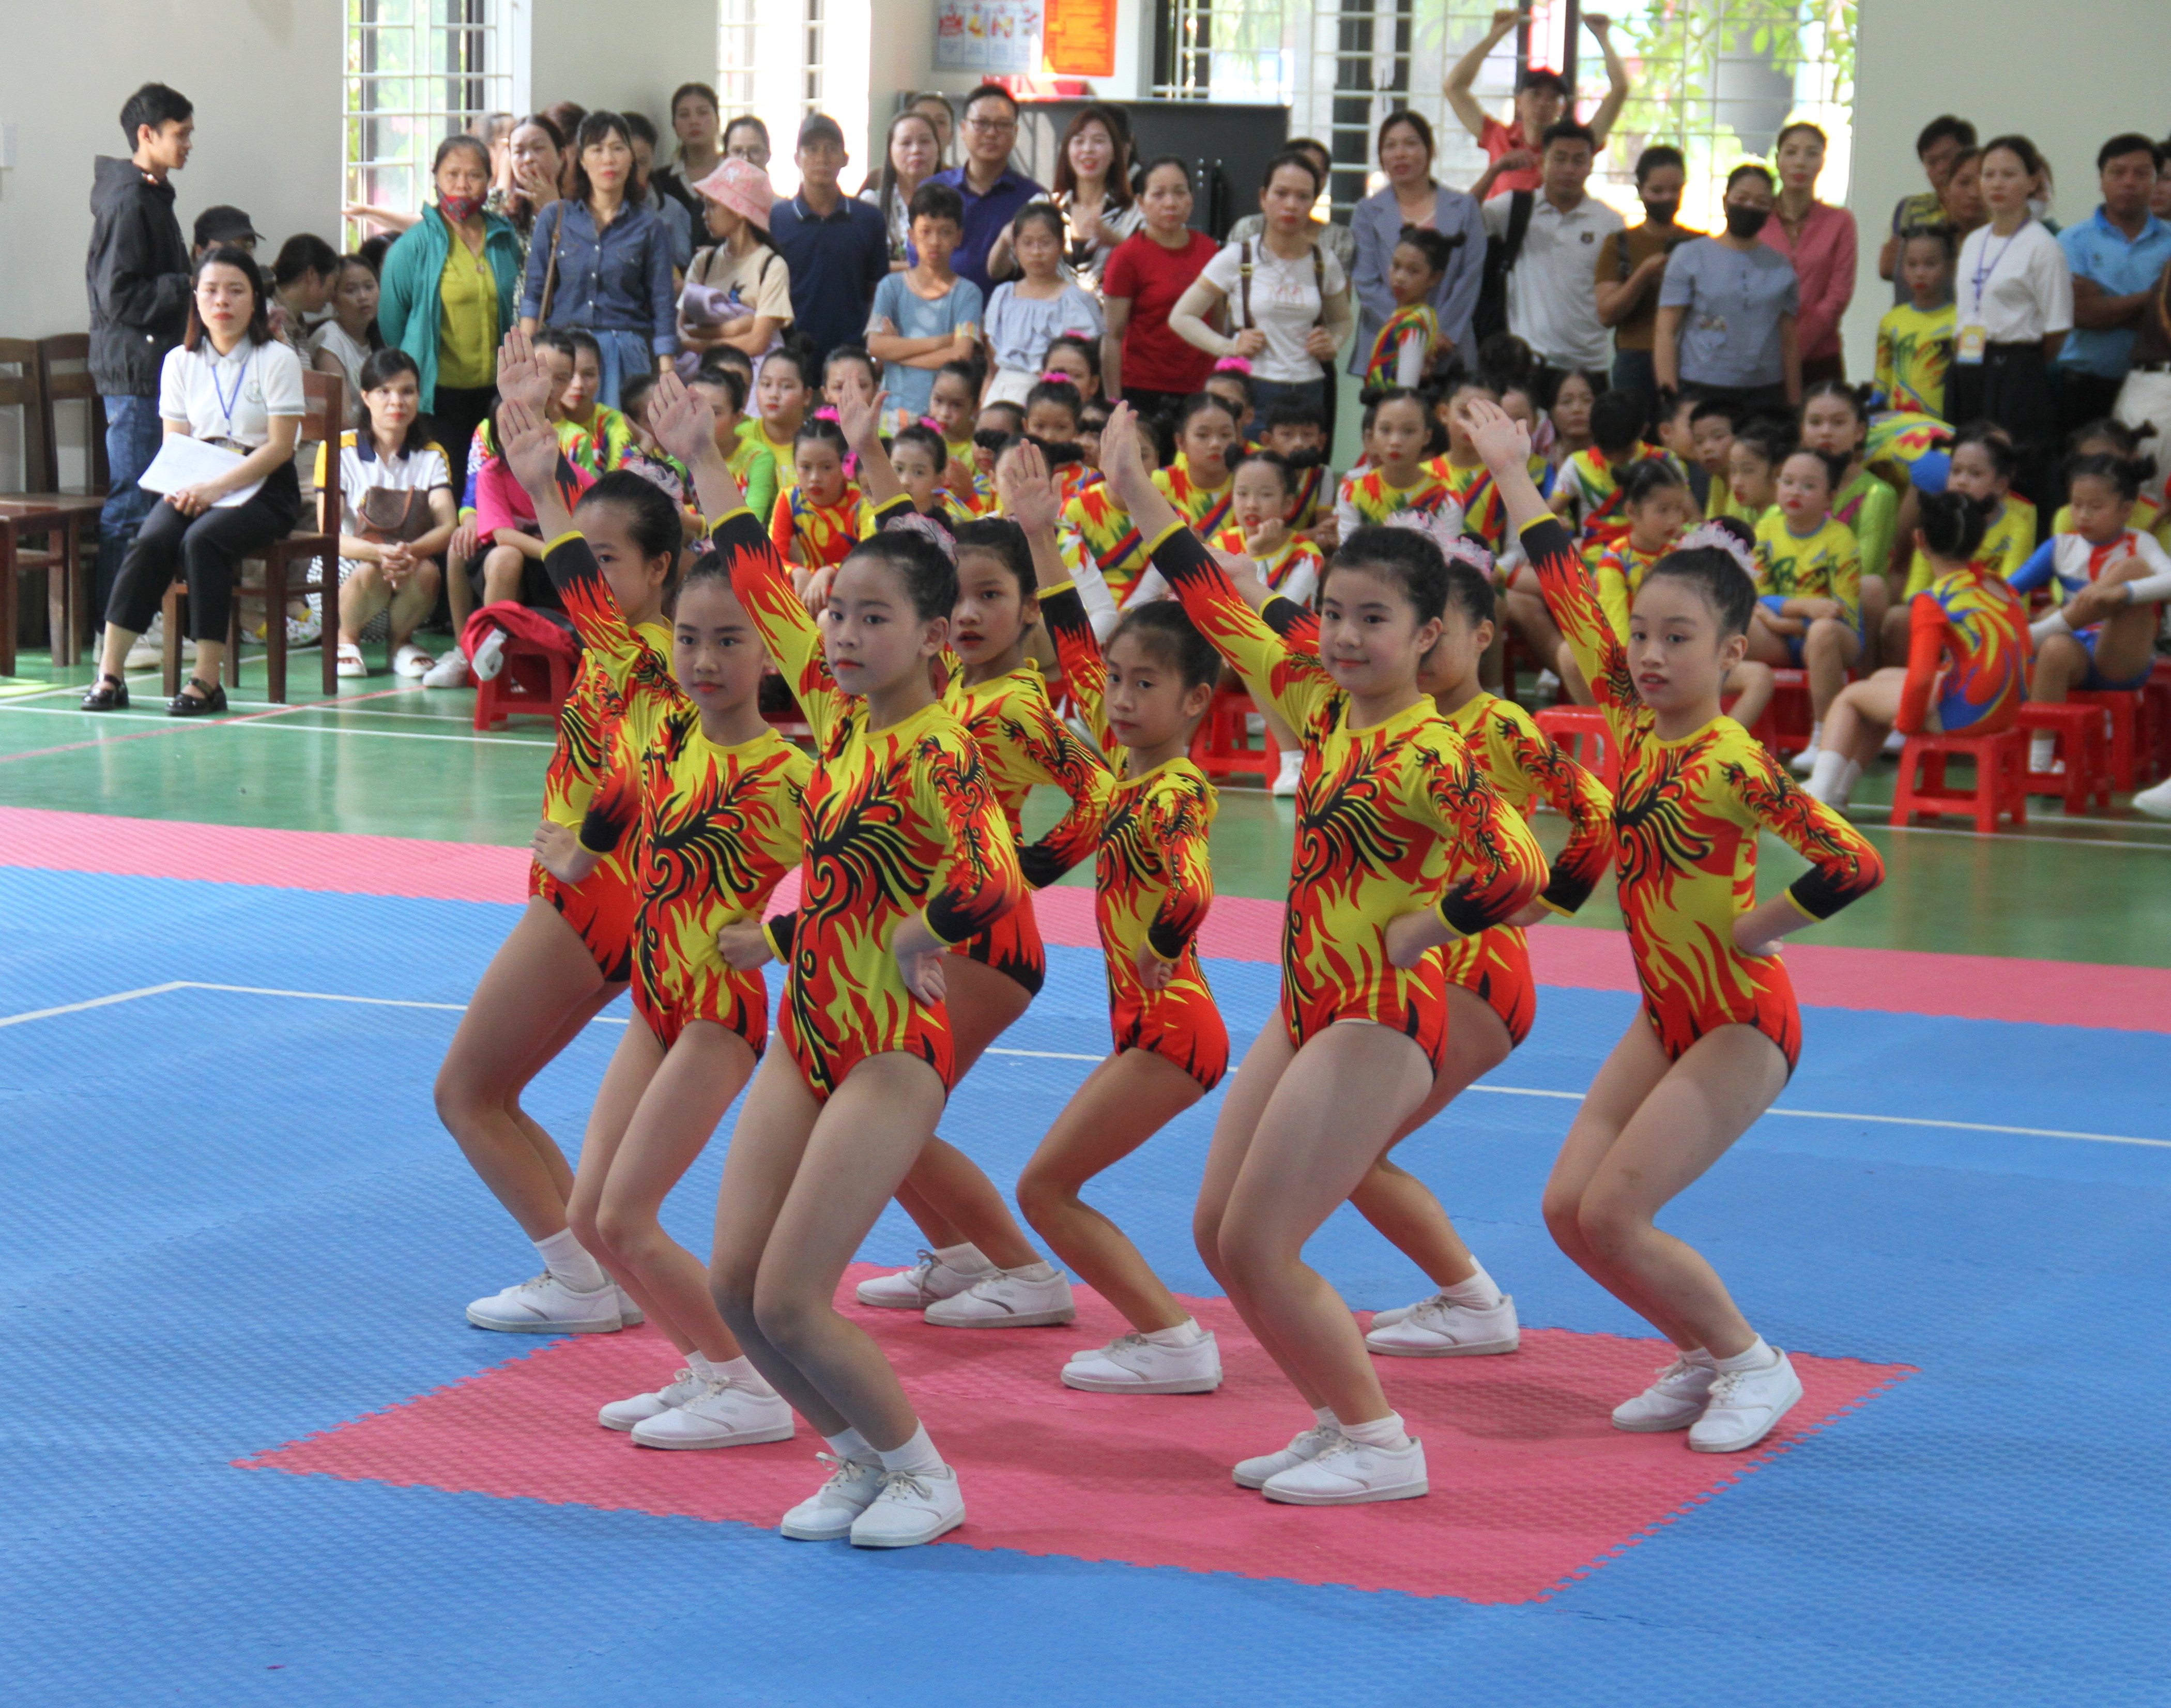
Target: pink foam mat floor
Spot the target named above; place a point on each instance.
(1531, 1486)
(1240, 928)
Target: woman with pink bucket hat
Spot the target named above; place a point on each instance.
(739, 291)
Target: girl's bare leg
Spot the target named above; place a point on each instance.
(1863, 715)
(1124, 1101)
(633, 1065)
(1338, 1104)
(539, 990)
(1829, 648)
(686, 1095)
(1752, 684)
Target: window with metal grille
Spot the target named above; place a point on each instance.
(417, 71)
(1234, 50)
(783, 61)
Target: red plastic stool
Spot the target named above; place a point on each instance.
(1221, 745)
(2082, 742)
(2000, 764)
(1570, 727)
(1784, 728)
(2156, 712)
(533, 682)
(2124, 705)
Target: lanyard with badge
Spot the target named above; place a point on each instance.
(1974, 338)
(227, 405)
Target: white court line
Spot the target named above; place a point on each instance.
(1065, 1056)
(263, 722)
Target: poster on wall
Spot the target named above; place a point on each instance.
(988, 35)
(1080, 38)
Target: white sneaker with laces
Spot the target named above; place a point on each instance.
(489, 657)
(1257, 1473)
(720, 1414)
(1005, 1301)
(913, 1507)
(1288, 774)
(1350, 1474)
(1132, 1364)
(2155, 802)
(451, 671)
(624, 1413)
(915, 1289)
(1439, 1327)
(547, 1306)
(1673, 1401)
(827, 1514)
(1745, 1405)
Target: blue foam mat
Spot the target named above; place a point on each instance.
(233, 1220)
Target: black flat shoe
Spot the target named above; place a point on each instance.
(108, 694)
(188, 706)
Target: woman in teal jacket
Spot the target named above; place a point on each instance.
(448, 297)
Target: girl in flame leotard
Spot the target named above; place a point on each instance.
(1719, 1032)
(908, 853)
(717, 800)
(1393, 823)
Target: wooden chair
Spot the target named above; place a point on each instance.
(315, 538)
(56, 519)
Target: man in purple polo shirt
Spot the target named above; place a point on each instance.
(836, 246)
(993, 193)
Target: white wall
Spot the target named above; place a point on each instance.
(2068, 78)
(264, 76)
(618, 57)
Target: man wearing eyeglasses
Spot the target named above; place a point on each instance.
(994, 191)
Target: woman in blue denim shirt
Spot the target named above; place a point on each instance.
(612, 262)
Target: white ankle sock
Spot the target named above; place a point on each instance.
(1757, 1357)
(1384, 1432)
(701, 1368)
(1032, 1272)
(917, 1454)
(1478, 1293)
(568, 1259)
(1324, 1414)
(2044, 627)
(1187, 1333)
(1697, 1355)
(853, 1445)
(740, 1373)
(2042, 751)
(1817, 737)
(1828, 781)
(965, 1259)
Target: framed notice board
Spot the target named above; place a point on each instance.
(1079, 37)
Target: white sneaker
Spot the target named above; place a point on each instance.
(720, 1414)
(1673, 1401)
(1289, 774)
(547, 1306)
(926, 1282)
(2155, 802)
(1132, 1364)
(827, 1514)
(2042, 752)
(449, 671)
(1350, 1474)
(1004, 1301)
(1804, 761)
(624, 1413)
(913, 1507)
(489, 657)
(1895, 743)
(1257, 1473)
(1745, 1405)
(1440, 1328)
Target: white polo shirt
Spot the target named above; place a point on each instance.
(1552, 292)
(2019, 289)
(232, 397)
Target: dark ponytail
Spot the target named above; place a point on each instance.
(1952, 526)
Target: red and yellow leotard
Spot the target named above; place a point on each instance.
(1205, 508)
(1152, 879)
(1594, 487)
(825, 533)
(1974, 617)
(1294, 571)
(1620, 570)
(900, 822)
(1686, 824)
(1484, 515)
(1389, 819)
(1096, 527)
(718, 827)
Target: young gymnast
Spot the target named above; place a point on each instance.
(1720, 1032)
(1967, 657)
(817, 518)
(907, 854)
(1811, 613)
(1491, 1000)
(1392, 816)
(1142, 697)
(783, 397)
(719, 825)
(1463, 474)
(1835, 421)
(978, 1271)
(1399, 436)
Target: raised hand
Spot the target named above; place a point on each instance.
(1121, 463)
(521, 377)
(1027, 493)
(529, 448)
(682, 420)
(860, 419)
(1501, 440)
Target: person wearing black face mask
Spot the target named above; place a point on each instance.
(1727, 309)
(1629, 265)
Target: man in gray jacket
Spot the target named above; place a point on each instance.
(138, 279)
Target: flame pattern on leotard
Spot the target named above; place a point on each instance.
(900, 822)
(1973, 616)
(1686, 824)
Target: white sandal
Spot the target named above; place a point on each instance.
(411, 661)
(351, 660)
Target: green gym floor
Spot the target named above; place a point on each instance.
(388, 758)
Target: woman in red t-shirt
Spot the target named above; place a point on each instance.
(1141, 360)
